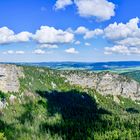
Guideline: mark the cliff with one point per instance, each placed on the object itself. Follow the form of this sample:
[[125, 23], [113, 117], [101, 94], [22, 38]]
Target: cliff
[[9, 77], [106, 83]]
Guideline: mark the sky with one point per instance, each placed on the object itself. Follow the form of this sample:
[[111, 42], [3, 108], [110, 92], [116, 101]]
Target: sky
[[69, 30]]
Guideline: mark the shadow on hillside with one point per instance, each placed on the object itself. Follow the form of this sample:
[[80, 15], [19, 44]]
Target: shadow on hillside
[[132, 110], [27, 116], [8, 129], [80, 116]]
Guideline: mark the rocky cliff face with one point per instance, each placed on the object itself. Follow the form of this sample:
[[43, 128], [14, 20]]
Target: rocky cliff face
[[106, 83], [9, 78]]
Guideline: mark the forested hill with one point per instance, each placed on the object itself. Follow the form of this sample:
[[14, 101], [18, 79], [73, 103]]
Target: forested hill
[[53, 105], [133, 75]]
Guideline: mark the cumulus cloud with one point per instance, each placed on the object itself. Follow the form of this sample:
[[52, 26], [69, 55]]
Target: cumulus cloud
[[71, 51], [125, 36], [88, 33], [122, 50], [39, 51], [81, 30], [61, 4], [98, 9], [46, 37], [117, 49], [50, 35], [132, 41], [23, 37], [13, 52], [120, 31], [49, 46], [8, 52], [87, 44], [8, 36], [77, 42], [93, 33]]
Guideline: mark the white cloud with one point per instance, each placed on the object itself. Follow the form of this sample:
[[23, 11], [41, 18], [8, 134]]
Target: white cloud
[[71, 51], [120, 31], [126, 37], [99, 9], [19, 52], [48, 34], [61, 4], [8, 52], [39, 51], [93, 33], [81, 30], [70, 30], [132, 41], [49, 46], [117, 49], [87, 44], [8, 36], [45, 35], [122, 50], [13, 52], [88, 33], [77, 42], [23, 37]]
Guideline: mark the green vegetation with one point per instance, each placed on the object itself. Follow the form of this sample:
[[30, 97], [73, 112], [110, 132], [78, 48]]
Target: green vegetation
[[2, 95], [47, 107], [2, 137], [122, 70], [134, 75]]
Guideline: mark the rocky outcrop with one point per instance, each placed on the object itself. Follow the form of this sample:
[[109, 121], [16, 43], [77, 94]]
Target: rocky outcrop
[[106, 83], [9, 77]]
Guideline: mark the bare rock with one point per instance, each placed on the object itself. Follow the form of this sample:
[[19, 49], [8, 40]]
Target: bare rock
[[9, 77], [2, 105], [12, 99], [106, 83]]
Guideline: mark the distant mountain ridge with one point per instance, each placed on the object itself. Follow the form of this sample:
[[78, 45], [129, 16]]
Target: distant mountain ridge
[[94, 66]]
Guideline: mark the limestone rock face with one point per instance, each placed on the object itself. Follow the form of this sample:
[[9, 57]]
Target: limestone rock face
[[107, 83], [9, 77]]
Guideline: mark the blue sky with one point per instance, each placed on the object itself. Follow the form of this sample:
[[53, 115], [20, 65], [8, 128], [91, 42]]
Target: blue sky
[[69, 30]]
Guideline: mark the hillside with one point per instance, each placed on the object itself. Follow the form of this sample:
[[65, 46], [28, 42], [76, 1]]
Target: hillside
[[65, 105], [133, 75]]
